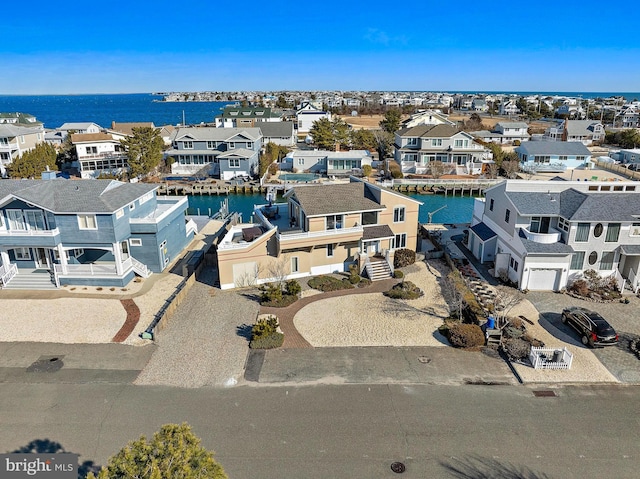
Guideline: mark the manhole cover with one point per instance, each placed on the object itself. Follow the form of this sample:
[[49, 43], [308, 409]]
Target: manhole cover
[[424, 359], [46, 364], [398, 467], [544, 394]]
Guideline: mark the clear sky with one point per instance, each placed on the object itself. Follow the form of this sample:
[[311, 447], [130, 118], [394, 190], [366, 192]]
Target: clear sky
[[142, 46]]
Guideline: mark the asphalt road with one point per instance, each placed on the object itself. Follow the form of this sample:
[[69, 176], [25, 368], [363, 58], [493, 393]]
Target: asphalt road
[[345, 431]]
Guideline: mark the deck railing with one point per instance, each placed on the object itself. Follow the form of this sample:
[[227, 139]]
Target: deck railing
[[7, 273]]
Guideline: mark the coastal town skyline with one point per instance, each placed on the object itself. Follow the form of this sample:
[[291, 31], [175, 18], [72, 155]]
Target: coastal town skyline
[[340, 47]]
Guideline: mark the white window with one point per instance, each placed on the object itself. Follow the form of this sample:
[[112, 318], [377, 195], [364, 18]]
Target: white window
[[436, 142], [294, 264], [146, 197], [78, 252], [563, 224], [232, 145], [22, 139], [120, 213], [22, 253], [300, 161], [16, 220], [461, 143], [634, 231], [398, 214], [87, 222], [187, 145], [329, 250], [250, 145], [234, 162], [412, 142], [400, 241], [135, 241], [211, 145]]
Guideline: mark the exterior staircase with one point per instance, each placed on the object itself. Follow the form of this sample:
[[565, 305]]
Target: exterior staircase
[[140, 268], [378, 270], [39, 279]]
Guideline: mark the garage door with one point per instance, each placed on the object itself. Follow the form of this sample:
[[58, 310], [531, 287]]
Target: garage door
[[245, 274], [544, 279]]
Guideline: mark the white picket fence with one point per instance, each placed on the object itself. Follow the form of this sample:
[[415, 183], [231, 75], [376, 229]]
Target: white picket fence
[[543, 358]]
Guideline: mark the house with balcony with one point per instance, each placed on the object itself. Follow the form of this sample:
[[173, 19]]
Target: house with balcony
[[509, 107], [222, 152], [544, 235], [586, 131], [87, 232], [331, 163], [416, 148], [306, 115], [504, 132], [19, 119], [552, 156], [245, 117], [16, 140], [99, 153], [322, 228], [427, 117]]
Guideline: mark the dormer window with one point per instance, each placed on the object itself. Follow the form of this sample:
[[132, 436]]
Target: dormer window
[[187, 145]]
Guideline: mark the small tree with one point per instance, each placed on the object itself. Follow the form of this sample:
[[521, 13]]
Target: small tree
[[366, 170], [437, 168], [510, 168], [173, 452], [505, 300], [391, 121], [144, 150], [32, 163]]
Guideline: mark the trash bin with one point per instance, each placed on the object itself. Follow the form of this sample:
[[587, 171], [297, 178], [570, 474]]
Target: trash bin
[[491, 323], [557, 356]]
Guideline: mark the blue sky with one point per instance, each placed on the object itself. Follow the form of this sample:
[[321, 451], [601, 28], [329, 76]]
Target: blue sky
[[142, 46]]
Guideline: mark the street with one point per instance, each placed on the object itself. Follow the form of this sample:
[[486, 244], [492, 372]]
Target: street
[[345, 431]]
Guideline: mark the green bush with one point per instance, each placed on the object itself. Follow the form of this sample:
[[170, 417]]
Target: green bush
[[404, 290], [272, 341], [270, 293], [283, 302], [293, 288], [398, 274], [264, 327], [364, 282], [465, 335], [366, 170], [404, 257], [355, 278], [329, 283]]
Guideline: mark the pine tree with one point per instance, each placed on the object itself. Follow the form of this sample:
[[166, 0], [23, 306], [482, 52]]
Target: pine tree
[[144, 150]]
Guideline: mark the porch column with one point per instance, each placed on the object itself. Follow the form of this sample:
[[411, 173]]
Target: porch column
[[5, 258], [63, 258], [118, 258]]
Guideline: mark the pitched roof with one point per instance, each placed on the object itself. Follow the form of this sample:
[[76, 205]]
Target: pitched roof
[[275, 128], [569, 148], [580, 127], [78, 196], [377, 232], [78, 125], [92, 137], [430, 131], [247, 112], [216, 134], [320, 200], [513, 124], [11, 130], [127, 128]]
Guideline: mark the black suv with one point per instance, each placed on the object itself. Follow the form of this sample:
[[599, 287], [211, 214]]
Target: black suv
[[593, 328]]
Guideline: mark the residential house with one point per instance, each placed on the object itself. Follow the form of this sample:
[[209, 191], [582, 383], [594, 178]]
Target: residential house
[[509, 107], [479, 104], [629, 156], [427, 117], [585, 131], [570, 109], [322, 228], [306, 115], [245, 117], [126, 129], [332, 163], [504, 133], [278, 132], [552, 156], [87, 232], [417, 147], [630, 117], [545, 235], [16, 140], [99, 153], [222, 152], [19, 119], [80, 127]]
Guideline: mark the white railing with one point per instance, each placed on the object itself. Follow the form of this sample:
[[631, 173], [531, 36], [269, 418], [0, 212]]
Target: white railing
[[619, 280], [106, 155], [139, 267], [7, 273], [444, 182], [87, 269], [546, 238], [550, 358], [319, 234], [30, 232], [634, 280]]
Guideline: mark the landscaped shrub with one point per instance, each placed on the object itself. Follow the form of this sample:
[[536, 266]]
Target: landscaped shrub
[[293, 288], [404, 257], [273, 168], [398, 274], [580, 287], [265, 335], [272, 295], [404, 290], [366, 170], [329, 283], [355, 278], [395, 170], [272, 341], [364, 282], [465, 335], [516, 349]]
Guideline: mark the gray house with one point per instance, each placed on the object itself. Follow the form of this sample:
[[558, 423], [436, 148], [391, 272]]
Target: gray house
[[278, 132], [552, 156], [544, 235], [336, 163], [222, 152]]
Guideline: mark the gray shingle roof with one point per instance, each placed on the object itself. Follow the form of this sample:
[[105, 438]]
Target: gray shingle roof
[[216, 134], [529, 203], [580, 127], [320, 200], [430, 131], [77, 196], [545, 248], [512, 124], [569, 148], [377, 232], [272, 129], [483, 231]]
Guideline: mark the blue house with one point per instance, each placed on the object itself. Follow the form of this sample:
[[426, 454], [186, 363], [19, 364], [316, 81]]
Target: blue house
[[87, 232], [552, 156]]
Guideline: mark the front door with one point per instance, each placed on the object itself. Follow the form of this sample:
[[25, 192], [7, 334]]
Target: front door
[[42, 258]]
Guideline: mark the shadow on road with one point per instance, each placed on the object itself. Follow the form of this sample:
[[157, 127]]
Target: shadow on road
[[476, 467], [47, 446]]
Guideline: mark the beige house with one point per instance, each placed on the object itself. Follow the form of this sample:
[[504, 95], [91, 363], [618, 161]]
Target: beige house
[[321, 229], [17, 140]]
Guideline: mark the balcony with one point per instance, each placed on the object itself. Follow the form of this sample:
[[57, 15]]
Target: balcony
[[553, 236], [30, 237]]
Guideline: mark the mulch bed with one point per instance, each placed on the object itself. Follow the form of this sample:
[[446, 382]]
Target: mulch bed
[[133, 316]]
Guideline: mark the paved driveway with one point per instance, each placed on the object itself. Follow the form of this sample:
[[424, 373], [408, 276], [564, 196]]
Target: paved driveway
[[623, 317]]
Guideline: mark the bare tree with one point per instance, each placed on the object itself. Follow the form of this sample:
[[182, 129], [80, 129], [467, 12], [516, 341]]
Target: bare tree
[[249, 278], [492, 170], [453, 294], [505, 300], [437, 168], [510, 168], [279, 269]]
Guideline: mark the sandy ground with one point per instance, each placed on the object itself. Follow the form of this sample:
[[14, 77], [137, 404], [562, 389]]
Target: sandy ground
[[375, 320]]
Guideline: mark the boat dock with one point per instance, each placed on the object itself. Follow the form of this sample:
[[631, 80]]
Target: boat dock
[[446, 187]]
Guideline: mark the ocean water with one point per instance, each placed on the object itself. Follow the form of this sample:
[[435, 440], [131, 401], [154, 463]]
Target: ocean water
[[458, 209], [54, 110]]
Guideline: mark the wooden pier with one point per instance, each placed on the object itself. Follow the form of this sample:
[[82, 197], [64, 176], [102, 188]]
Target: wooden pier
[[447, 187]]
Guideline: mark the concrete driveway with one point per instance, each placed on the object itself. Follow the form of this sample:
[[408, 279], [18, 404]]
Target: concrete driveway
[[619, 360]]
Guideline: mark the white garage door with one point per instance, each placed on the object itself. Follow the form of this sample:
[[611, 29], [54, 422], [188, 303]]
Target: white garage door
[[245, 274], [544, 279]]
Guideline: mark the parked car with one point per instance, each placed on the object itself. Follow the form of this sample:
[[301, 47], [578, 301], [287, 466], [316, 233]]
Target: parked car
[[594, 330]]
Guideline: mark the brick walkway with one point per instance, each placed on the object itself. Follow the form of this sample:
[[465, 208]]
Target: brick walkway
[[292, 338], [133, 316]]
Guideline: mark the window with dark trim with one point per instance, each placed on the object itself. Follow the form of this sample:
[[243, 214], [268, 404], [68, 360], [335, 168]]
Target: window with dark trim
[[507, 214]]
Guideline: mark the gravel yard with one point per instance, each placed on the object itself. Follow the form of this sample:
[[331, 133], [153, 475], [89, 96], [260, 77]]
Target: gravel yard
[[375, 320]]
